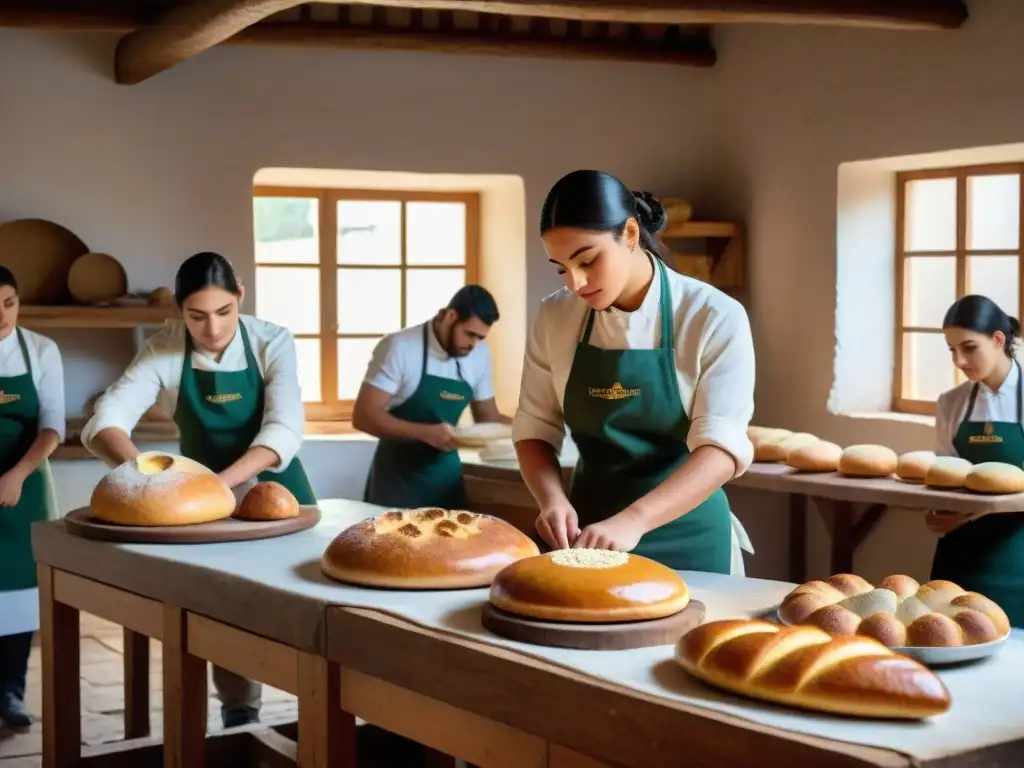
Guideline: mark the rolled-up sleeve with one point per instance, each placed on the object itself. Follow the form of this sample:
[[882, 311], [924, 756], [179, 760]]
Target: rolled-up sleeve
[[51, 389], [385, 370], [483, 386], [724, 398], [539, 415], [944, 423], [284, 416]]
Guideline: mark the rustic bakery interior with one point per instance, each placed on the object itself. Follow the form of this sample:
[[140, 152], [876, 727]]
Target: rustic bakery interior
[[511, 385]]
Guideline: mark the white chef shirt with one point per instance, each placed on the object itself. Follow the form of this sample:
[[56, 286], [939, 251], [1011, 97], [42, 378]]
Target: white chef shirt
[[989, 405], [396, 365], [154, 377], [47, 375], [714, 361]]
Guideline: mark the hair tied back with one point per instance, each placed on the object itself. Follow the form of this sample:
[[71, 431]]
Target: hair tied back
[[650, 210]]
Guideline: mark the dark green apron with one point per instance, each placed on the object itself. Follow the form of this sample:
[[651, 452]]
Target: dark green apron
[[408, 473], [19, 427], [625, 415], [219, 414], [987, 555]]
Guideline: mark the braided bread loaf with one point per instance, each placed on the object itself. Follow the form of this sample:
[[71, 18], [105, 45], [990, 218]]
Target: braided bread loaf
[[808, 668], [899, 612]]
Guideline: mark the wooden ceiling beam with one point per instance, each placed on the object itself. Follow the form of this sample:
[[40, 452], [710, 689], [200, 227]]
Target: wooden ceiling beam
[[186, 31]]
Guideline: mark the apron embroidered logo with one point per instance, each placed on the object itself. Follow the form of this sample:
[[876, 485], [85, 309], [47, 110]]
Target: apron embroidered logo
[[615, 392], [446, 395], [988, 437], [5, 398], [220, 399]]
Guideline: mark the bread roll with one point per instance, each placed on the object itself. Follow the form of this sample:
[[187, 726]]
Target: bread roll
[[867, 461], [761, 436], [589, 585], [427, 548], [898, 612], [947, 472], [808, 668], [821, 456], [913, 466], [995, 477], [157, 488], [268, 501], [778, 448]]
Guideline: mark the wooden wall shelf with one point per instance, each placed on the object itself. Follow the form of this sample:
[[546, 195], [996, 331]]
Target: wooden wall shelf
[[32, 316], [719, 258]]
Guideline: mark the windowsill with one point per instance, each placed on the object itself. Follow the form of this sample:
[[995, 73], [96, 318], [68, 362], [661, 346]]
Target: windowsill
[[921, 419]]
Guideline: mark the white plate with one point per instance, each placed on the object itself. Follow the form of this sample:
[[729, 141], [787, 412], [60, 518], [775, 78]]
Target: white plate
[[940, 656]]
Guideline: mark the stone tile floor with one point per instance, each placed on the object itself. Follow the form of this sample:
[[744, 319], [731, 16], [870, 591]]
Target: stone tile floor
[[103, 696]]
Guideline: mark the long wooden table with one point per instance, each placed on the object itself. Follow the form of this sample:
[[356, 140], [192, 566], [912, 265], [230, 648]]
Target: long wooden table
[[850, 507]]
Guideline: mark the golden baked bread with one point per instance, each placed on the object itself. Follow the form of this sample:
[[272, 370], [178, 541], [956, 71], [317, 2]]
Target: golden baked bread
[[995, 477], [778, 448], [899, 612], [867, 461], [947, 472], [808, 668], [760, 437], [913, 465], [426, 548], [268, 501], [589, 585], [157, 488], [820, 456]]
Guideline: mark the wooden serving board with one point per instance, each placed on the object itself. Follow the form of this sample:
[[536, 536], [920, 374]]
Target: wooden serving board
[[80, 522], [596, 637]]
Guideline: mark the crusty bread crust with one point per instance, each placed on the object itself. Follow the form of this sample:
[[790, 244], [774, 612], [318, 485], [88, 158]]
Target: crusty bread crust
[[821, 456], [426, 548], [867, 461], [157, 488], [268, 500], [995, 477], [808, 668], [589, 585]]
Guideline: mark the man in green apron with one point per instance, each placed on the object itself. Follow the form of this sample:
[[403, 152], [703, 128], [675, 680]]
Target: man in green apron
[[986, 555], [623, 410], [19, 430], [219, 414]]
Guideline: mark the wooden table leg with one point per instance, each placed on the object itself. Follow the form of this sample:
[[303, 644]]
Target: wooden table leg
[[848, 531], [327, 734], [62, 703], [184, 696], [136, 685], [798, 538]]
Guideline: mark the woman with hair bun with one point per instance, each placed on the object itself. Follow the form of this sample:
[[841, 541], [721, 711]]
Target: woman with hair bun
[[653, 375], [981, 420]]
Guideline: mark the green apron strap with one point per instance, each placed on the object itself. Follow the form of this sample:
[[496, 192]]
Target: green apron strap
[[24, 353], [668, 336]]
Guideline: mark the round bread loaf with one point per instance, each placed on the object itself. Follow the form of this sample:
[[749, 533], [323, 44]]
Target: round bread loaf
[[913, 466], [995, 477], [778, 448], [821, 456], [426, 548], [589, 585], [947, 472], [268, 501], [760, 436], [867, 461], [157, 488], [898, 612]]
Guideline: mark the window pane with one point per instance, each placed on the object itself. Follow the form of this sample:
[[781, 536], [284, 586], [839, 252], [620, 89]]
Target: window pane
[[289, 296], [370, 232], [930, 215], [927, 366], [929, 288], [353, 357], [993, 212], [369, 300], [427, 290], [436, 233], [307, 351], [996, 277], [286, 229]]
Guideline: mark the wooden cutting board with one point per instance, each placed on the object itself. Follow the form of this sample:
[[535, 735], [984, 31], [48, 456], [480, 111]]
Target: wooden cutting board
[[80, 522], [596, 637]]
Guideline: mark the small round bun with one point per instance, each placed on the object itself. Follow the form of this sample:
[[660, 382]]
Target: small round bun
[[589, 585], [268, 501], [947, 472], [821, 456], [760, 437], [913, 466], [778, 448], [868, 461], [995, 477], [426, 548], [157, 488]]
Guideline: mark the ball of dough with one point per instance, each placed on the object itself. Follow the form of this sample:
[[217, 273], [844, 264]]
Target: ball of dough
[[268, 501], [821, 456], [913, 466], [947, 472], [995, 477], [868, 461]]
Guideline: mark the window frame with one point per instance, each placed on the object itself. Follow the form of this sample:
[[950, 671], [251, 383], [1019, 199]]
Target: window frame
[[902, 370], [331, 408]]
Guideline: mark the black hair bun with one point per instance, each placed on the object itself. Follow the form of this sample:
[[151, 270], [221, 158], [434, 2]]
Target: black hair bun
[[1014, 326], [651, 211]]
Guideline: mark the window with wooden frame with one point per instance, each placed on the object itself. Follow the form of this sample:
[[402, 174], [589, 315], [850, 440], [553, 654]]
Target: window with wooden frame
[[958, 232], [393, 260]]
